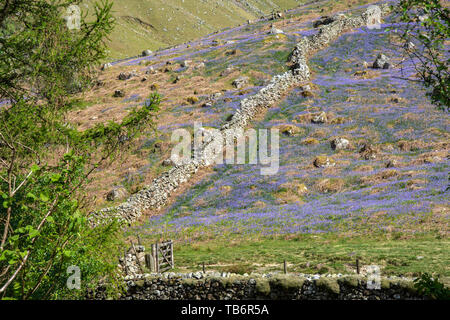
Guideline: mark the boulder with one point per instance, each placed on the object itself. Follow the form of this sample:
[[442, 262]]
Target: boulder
[[118, 94], [288, 129], [324, 162], [146, 53], [391, 163], [368, 151], [340, 144], [106, 66], [126, 75], [118, 193], [274, 30], [240, 82], [185, 63], [150, 70], [381, 62], [320, 118]]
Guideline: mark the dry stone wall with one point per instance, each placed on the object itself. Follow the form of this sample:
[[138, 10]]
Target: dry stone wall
[[156, 195], [217, 286]]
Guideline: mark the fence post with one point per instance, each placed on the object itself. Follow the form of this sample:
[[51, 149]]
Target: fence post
[[148, 262], [171, 254], [285, 267], [157, 257], [153, 259], [357, 266], [137, 256]]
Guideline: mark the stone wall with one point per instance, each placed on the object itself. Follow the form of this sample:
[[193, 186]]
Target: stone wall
[[156, 195], [213, 286]]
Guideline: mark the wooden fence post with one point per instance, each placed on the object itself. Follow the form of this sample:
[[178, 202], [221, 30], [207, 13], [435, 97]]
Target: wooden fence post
[[153, 260], [157, 257], [148, 262], [285, 267], [171, 254], [357, 266]]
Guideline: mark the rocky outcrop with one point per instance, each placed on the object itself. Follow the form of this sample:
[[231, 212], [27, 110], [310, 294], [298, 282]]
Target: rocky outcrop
[[156, 195]]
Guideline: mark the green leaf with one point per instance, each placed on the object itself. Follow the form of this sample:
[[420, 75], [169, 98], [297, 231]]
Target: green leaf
[[44, 197], [56, 177], [31, 196]]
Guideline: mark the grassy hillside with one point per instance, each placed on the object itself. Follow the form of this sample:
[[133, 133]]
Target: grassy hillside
[[152, 24]]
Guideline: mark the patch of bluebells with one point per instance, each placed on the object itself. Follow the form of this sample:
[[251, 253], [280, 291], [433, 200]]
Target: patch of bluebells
[[206, 210]]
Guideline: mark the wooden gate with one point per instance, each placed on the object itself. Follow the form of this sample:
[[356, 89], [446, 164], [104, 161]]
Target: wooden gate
[[161, 258]]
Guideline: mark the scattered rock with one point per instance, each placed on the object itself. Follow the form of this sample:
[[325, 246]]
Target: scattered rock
[[118, 193], [146, 53], [392, 163], [106, 66], [119, 94], [340, 144], [150, 70], [368, 151], [381, 62], [288, 129], [274, 30], [319, 118], [185, 63], [324, 162], [177, 79], [240, 82], [126, 75]]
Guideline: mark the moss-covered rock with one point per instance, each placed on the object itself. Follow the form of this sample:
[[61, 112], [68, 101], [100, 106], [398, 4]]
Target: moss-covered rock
[[350, 281], [262, 287], [324, 162], [331, 285], [289, 129], [287, 283]]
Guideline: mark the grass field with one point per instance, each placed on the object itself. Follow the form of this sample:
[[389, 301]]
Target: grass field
[[312, 254], [154, 24]]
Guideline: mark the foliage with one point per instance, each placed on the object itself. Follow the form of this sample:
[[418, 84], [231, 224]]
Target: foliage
[[431, 287], [45, 161], [428, 28]]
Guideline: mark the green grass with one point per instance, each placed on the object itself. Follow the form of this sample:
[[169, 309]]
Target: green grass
[[155, 24], [318, 254]]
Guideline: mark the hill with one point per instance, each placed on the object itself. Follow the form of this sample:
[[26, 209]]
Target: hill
[[154, 24]]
